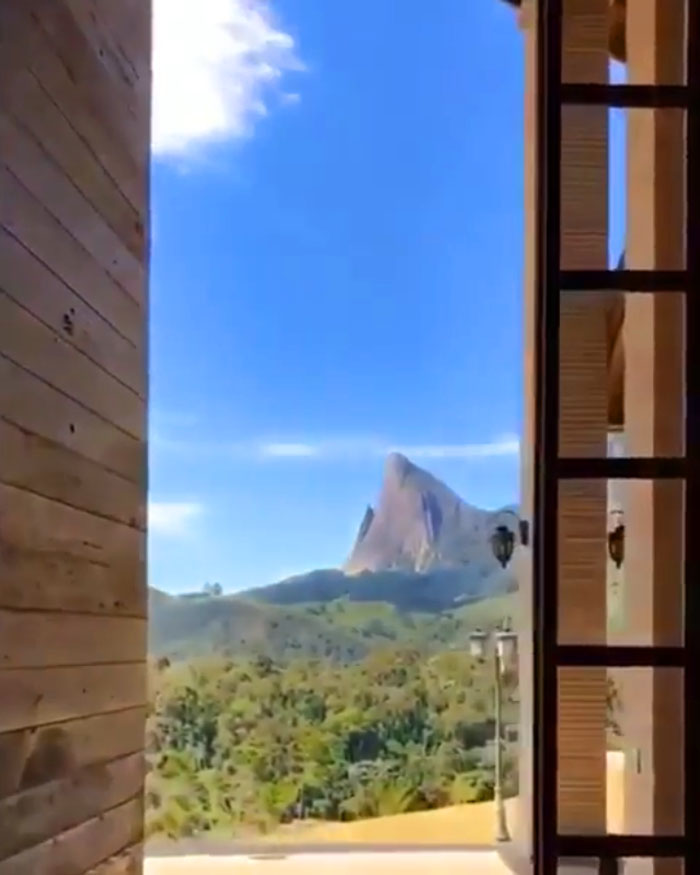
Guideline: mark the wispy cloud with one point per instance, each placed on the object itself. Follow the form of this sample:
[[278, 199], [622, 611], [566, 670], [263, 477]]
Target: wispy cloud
[[287, 451], [173, 518], [505, 446], [216, 64], [340, 449], [354, 449]]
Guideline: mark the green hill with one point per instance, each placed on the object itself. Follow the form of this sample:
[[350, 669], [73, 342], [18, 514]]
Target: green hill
[[340, 630], [437, 590]]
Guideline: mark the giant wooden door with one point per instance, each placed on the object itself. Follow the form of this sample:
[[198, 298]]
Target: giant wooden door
[[576, 656]]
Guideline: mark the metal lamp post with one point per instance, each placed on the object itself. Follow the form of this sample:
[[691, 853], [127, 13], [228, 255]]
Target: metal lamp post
[[504, 644], [504, 641]]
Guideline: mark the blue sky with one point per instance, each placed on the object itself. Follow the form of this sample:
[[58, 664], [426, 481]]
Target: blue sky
[[336, 271]]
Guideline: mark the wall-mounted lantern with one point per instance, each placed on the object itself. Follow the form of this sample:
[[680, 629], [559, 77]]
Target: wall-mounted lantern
[[503, 539], [503, 544], [616, 544]]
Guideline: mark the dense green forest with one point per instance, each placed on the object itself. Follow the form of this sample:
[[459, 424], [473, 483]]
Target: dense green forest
[[266, 717], [241, 745]]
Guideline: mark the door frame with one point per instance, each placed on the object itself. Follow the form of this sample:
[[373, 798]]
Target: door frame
[[550, 468]]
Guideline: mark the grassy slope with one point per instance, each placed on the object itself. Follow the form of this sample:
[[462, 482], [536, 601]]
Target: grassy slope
[[436, 590], [471, 824], [341, 629], [456, 824]]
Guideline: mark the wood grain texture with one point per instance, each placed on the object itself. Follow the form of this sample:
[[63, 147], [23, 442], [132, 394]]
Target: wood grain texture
[[74, 161], [36, 696], [56, 580], [32, 816], [44, 236], [127, 862], [653, 339], [35, 347], [88, 55], [77, 850], [31, 522], [45, 468], [583, 424], [27, 160], [49, 44], [53, 556], [60, 419], [38, 290], [38, 640], [127, 31], [33, 756], [24, 99]]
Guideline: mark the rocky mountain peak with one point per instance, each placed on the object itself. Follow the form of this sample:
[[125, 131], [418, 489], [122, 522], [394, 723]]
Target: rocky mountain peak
[[418, 523], [397, 467]]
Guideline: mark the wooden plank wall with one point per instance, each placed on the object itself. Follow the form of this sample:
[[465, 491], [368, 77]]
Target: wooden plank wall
[[74, 155]]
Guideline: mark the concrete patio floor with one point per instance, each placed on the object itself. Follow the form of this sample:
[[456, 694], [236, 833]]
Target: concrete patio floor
[[394, 863]]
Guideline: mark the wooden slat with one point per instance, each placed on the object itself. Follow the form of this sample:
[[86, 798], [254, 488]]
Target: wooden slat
[[25, 100], [29, 343], [96, 124], [127, 32], [128, 862], [89, 57], [30, 757], [27, 219], [36, 640], [121, 41], [35, 523], [29, 163], [127, 29], [58, 581], [51, 534], [36, 696], [31, 462], [37, 407], [27, 281], [38, 814], [77, 850], [33, 49]]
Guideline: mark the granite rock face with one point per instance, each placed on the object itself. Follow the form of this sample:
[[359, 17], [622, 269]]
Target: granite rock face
[[420, 524]]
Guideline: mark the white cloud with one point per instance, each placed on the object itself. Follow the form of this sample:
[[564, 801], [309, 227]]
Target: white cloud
[[339, 449], [288, 450], [361, 448], [172, 517], [215, 63], [505, 446]]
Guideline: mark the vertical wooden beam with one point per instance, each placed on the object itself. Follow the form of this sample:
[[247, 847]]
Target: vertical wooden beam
[[583, 423], [654, 413], [522, 829]]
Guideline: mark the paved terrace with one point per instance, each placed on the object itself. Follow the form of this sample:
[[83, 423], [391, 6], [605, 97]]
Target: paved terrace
[[396, 863]]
